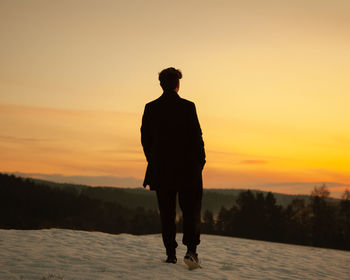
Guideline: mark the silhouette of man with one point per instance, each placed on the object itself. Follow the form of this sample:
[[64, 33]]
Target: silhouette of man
[[172, 142]]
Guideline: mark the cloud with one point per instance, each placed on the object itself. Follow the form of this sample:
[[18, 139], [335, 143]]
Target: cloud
[[122, 151], [302, 185], [252, 161], [336, 188], [13, 139]]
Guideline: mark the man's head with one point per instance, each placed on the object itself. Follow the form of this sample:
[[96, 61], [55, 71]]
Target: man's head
[[169, 78]]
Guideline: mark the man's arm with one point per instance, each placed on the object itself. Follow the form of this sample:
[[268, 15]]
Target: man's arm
[[146, 137], [198, 139]]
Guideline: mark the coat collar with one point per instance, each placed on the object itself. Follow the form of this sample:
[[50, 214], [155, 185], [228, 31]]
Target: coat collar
[[170, 94]]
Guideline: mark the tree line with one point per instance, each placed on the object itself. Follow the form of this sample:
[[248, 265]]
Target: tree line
[[25, 204], [318, 221]]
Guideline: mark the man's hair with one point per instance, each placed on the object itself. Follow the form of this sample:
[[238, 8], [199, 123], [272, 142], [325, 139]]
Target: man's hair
[[169, 78]]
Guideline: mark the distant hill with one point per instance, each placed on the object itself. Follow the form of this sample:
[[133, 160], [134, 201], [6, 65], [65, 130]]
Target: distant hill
[[213, 199]]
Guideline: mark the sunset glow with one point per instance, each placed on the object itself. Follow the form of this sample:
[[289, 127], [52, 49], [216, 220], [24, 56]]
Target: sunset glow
[[270, 80]]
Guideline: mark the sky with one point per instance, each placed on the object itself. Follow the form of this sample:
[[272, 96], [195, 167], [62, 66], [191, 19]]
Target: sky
[[269, 80]]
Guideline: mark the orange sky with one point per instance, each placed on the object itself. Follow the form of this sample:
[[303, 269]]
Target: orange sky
[[269, 79]]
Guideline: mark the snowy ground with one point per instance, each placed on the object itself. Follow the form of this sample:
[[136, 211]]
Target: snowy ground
[[67, 254]]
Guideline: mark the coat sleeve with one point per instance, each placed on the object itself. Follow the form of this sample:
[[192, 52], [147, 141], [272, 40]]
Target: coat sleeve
[[146, 136], [198, 139]]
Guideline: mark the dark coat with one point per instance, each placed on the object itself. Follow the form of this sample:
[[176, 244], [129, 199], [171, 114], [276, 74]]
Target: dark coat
[[172, 142]]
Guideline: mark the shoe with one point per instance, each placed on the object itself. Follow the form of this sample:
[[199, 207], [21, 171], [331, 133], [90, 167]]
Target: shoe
[[191, 260], [171, 259]]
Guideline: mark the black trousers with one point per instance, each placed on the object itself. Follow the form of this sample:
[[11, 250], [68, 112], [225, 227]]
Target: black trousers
[[190, 201]]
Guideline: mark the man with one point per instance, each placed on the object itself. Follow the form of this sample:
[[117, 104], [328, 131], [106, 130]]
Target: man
[[172, 142]]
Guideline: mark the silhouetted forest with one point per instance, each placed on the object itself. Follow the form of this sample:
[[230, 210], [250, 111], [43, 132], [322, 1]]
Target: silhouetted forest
[[25, 204], [316, 221]]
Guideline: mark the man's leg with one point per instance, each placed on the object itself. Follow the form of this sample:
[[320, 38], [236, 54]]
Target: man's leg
[[167, 209], [190, 201]]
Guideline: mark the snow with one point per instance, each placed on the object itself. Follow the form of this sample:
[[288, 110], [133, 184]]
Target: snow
[[67, 254]]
